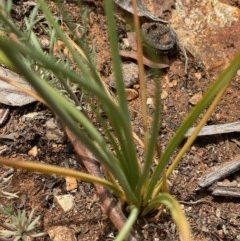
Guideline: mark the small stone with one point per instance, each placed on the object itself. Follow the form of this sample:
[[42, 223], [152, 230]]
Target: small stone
[[45, 43], [33, 116], [165, 108], [221, 234], [61, 233], [33, 152], [193, 148], [196, 98], [218, 213], [150, 102], [126, 42], [66, 202], [172, 83], [53, 132], [198, 75], [130, 75], [131, 94], [71, 183], [164, 95], [204, 229]]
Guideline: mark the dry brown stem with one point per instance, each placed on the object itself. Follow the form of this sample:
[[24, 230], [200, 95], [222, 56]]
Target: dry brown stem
[[109, 204]]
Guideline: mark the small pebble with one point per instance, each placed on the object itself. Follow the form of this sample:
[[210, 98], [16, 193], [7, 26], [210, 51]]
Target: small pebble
[[53, 131], [33, 151], [164, 95], [66, 202], [130, 75], [131, 94], [61, 233], [196, 98]]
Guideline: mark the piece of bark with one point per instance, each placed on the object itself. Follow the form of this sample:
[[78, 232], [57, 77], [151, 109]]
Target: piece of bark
[[231, 189], [219, 173], [9, 93], [141, 10], [216, 129]]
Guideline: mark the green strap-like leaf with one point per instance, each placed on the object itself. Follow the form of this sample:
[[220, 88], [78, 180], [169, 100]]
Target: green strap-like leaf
[[122, 235], [176, 212]]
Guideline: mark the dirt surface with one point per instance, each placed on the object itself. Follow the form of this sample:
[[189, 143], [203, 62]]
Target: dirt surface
[[211, 218]]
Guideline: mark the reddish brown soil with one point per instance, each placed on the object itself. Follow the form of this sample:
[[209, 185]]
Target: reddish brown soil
[[211, 218]]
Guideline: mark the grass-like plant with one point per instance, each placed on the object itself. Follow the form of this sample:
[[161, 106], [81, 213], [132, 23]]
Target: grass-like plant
[[140, 185], [21, 226]]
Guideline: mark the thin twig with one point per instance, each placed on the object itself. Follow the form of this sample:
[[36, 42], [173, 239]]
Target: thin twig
[[200, 201]]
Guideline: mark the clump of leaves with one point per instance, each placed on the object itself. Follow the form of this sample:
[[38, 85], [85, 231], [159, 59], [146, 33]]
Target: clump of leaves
[[139, 184], [21, 226]]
